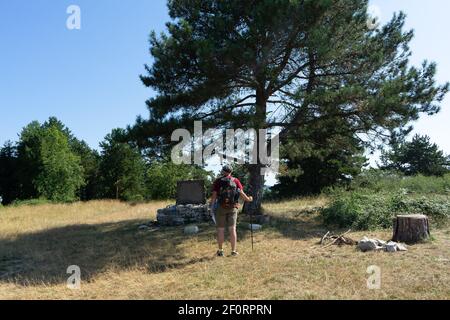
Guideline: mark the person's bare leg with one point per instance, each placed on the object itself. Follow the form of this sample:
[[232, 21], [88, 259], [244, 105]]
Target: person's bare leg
[[220, 237], [233, 238]]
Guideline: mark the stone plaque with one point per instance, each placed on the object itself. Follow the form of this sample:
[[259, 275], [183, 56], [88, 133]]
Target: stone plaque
[[191, 192]]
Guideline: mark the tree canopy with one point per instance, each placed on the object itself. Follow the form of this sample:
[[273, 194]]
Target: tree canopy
[[162, 178], [60, 172], [9, 185], [420, 156], [50, 163], [282, 63], [122, 169]]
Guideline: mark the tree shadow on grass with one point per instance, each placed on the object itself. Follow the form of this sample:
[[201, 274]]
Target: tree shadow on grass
[[294, 224], [44, 256]]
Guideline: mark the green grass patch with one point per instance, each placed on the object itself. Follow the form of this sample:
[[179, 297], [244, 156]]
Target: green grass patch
[[30, 202]]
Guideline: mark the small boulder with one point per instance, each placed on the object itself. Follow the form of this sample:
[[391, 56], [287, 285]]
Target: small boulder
[[367, 244], [190, 230], [391, 246]]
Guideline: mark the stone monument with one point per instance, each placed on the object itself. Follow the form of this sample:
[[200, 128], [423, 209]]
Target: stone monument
[[190, 205]]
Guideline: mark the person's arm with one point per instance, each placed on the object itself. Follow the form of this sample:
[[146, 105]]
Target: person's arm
[[241, 191], [245, 197]]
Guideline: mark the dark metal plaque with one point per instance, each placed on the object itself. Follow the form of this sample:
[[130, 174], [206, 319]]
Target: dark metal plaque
[[191, 192]]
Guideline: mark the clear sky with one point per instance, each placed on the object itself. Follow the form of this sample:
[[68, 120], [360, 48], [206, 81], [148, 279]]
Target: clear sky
[[89, 78]]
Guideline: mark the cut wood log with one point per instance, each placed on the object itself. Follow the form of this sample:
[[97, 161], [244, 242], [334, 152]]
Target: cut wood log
[[411, 228]]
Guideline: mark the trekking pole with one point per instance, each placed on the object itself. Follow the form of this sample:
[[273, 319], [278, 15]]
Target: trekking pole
[[251, 226], [213, 212], [251, 222]]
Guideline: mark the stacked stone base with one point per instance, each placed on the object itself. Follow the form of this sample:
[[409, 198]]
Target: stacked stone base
[[178, 215]]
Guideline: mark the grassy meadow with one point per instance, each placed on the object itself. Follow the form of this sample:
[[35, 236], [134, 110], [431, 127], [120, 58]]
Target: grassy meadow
[[117, 261]]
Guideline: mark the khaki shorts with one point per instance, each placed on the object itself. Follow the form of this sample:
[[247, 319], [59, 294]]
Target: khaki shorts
[[226, 217]]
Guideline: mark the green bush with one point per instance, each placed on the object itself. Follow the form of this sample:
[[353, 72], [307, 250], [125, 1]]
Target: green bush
[[376, 180], [391, 181], [436, 207], [361, 210]]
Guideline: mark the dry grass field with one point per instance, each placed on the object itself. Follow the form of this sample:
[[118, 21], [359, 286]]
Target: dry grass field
[[38, 243]]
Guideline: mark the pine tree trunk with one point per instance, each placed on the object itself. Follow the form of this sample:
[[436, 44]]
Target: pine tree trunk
[[411, 228], [256, 181], [256, 188]]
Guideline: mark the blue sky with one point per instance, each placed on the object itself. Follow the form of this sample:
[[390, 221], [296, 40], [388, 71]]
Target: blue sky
[[89, 78]]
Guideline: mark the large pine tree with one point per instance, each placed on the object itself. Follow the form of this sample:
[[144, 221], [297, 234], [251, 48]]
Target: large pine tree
[[284, 63]]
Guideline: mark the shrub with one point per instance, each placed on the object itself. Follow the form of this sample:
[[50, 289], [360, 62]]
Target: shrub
[[436, 207], [367, 211], [377, 180], [391, 181], [359, 211]]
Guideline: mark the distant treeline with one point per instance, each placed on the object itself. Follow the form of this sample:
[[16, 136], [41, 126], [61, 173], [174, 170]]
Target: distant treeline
[[49, 162]]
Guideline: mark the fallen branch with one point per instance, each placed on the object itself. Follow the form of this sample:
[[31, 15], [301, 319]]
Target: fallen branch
[[324, 237], [337, 240]]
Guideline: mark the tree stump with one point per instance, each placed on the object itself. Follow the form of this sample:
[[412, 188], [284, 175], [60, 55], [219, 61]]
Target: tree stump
[[411, 228]]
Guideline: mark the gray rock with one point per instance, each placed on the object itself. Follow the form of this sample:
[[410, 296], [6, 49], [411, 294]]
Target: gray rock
[[183, 214], [367, 244], [190, 230], [391, 246]]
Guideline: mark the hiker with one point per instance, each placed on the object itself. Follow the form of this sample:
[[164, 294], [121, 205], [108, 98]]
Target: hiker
[[227, 190]]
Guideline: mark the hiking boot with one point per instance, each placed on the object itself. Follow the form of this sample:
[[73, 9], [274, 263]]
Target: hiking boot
[[220, 253], [234, 254]]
